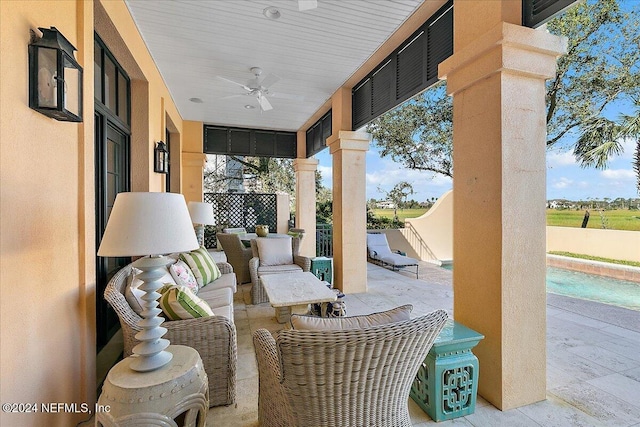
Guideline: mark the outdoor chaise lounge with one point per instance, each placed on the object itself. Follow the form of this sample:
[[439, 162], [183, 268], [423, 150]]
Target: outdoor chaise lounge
[[378, 251]]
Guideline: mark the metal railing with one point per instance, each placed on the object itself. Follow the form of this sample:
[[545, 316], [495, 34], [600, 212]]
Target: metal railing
[[324, 240]]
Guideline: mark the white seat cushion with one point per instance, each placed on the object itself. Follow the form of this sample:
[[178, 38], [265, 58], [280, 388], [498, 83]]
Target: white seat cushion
[[274, 251], [216, 297], [274, 269], [397, 314]]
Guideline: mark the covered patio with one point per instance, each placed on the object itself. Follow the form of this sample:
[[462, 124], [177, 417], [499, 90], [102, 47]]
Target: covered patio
[[593, 362]]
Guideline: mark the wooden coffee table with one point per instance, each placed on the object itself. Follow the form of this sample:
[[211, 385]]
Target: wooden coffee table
[[293, 292]]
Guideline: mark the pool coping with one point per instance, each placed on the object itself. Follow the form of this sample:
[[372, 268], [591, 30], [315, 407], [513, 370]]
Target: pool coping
[[617, 271]]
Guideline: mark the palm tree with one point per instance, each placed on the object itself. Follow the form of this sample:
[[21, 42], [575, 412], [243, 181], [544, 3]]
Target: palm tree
[[602, 138]]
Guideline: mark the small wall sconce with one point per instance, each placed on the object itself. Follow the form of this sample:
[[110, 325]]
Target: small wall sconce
[[55, 78], [161, 158]]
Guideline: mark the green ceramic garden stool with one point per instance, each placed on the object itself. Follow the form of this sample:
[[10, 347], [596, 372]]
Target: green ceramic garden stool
[[322, 268], [446, 385]]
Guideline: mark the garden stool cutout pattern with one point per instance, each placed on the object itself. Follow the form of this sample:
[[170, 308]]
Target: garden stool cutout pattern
[[446, 385], [337, 308]]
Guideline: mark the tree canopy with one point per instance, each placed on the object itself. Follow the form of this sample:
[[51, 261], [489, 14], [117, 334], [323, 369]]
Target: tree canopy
[[601, 68]]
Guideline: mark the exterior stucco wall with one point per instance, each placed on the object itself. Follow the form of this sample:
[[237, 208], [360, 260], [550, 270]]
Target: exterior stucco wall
[[615, 244], [47, 283], [430, 236], [47, 244]]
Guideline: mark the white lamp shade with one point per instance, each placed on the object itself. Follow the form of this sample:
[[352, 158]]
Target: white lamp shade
[[201, 213], [148, 224]]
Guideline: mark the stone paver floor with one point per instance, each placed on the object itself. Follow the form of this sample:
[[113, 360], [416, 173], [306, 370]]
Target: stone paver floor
[[593, 355]]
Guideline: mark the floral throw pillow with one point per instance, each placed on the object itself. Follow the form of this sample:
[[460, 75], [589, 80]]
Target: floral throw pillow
[[183, 275]]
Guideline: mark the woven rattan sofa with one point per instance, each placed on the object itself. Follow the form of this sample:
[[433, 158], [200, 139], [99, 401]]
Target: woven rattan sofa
[[213, 337], [349, 377]]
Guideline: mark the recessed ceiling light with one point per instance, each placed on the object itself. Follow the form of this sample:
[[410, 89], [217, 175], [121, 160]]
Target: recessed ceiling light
[[271, 12], [196, 100], [249, 107]]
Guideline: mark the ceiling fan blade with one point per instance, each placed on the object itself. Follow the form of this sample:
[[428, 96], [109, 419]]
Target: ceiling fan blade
[[289, 96], [307, 5], [265, 105], [234, 96], [270, 80], [235, 83]]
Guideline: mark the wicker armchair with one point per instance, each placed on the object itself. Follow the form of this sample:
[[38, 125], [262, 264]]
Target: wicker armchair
[[213, 337], [358, 377], [300, 263], [237, 255]]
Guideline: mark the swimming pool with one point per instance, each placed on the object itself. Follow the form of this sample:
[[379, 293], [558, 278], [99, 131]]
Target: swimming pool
[[622, 293], [575, 284]]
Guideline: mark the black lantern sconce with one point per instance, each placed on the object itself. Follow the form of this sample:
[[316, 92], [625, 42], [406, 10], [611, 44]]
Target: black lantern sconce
[[161, 158], [55, 78]]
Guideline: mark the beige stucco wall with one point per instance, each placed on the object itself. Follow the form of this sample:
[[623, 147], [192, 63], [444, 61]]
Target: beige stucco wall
[[430, 236], [192, 161], [615, 244], [47, 246]]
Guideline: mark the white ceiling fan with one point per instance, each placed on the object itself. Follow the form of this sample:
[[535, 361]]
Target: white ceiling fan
[[307, 5], [260, 89]]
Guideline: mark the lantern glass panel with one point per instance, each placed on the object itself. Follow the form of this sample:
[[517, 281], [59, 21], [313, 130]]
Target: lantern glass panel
[[72, 84], [47, 94]]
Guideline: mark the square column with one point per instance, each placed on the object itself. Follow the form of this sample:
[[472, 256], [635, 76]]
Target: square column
[[305, 170], [348, 149], [499, 133]]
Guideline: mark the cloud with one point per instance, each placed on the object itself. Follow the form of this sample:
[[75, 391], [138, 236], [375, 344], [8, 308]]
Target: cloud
[[327, 175], [559, 159], [618, 175], [629, 147], [387, 174]]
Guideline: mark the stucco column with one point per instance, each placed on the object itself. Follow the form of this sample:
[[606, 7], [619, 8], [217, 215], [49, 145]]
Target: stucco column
[[498, 85], [192, 161], [348, 149], [305, 170]]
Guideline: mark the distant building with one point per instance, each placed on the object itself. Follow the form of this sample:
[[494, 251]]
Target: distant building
[[386, 204]]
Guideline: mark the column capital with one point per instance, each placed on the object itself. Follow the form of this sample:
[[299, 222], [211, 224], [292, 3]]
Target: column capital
[[349, 140], [310, 164], [505, 48]]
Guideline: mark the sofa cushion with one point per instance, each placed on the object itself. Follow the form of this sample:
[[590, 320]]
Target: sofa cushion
[[179, 302], [275, 269], [225, 281], [183, 275], [204, 268], [353, 322], [275, 251], [226, 311], [216, 297]]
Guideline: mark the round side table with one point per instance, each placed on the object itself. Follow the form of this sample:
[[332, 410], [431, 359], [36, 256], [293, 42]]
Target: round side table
[[175, 395]]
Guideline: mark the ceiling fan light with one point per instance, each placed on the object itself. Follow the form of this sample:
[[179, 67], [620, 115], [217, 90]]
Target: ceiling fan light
[[196, 100], [249, 107], [271, 12]]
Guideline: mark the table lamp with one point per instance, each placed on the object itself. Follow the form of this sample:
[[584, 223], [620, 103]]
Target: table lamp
[[201, 215], [149, 225]]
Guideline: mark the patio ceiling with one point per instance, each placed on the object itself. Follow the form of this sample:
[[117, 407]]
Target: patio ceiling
[[313, 52]]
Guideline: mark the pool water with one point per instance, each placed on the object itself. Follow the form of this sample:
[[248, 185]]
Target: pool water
[[622, 293], [575, 284]]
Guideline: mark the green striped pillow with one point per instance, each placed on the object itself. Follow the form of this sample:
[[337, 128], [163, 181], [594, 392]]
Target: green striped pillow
[[179, 302], [204, 268]]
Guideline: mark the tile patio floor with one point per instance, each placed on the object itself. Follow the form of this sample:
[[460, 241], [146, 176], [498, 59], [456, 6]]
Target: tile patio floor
[[593, 356]]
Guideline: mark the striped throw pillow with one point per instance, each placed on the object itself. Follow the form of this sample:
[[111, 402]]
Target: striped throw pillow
[[179, 302], [202, 266]]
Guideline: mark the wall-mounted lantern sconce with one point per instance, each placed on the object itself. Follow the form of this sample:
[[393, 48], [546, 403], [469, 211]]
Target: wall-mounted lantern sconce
[[55, 78], [161, 158]]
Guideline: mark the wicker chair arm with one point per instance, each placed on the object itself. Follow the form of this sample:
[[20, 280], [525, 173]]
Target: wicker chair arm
[[224, 267], [273, 406], [303, 261], [215, 340]]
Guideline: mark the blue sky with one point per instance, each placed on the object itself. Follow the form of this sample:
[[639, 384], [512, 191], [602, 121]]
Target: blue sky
[[565, 179]]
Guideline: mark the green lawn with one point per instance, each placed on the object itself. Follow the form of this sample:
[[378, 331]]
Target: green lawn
[[619, 219], [615, 219]]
